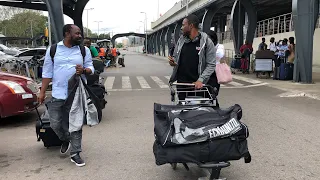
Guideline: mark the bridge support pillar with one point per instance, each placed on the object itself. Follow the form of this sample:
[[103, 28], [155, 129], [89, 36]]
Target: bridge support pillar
[[207, 19], [305, 16], [240, 7], [77, 14], [158, 42], [221, 28], [55, 10], [163, 40], [154, 43], [170, 38], [177, 31], [149, 43], [222, 23]]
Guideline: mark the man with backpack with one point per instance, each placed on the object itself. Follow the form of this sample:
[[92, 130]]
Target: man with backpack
[[62, 61], [194, 58], [93, 50]]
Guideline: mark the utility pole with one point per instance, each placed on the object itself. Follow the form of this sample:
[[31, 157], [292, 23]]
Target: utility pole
[[31, 34], [146, 23], [88, 20], [98, 26], [158, 15], [49, 27], [187, 7]]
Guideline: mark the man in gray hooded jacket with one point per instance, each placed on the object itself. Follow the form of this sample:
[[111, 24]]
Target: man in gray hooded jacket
[[194, 55]]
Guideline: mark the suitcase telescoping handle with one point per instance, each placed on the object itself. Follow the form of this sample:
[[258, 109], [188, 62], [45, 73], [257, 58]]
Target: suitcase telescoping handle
[[39, 117]]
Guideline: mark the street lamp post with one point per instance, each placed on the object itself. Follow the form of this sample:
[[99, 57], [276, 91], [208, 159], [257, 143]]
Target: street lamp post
[[146, 32], [88, 20], [98, 26]]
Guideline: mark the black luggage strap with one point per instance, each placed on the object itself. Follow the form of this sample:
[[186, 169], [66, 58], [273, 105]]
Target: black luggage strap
[[53, 50], [39, 119]]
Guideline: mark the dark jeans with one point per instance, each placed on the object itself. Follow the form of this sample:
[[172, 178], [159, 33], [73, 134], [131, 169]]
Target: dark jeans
[[55, 109]]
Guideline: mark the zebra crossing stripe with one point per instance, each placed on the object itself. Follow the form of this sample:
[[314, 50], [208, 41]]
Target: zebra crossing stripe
[[235, 83], [109, 82], [126, 82], [159, 82], [143, 83], [248, 80]]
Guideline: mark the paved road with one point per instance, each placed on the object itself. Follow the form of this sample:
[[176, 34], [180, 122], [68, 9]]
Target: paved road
[[283, 138]]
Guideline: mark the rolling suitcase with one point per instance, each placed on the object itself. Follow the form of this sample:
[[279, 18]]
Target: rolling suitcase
[[45, 132], [286, 70], [276, 73]]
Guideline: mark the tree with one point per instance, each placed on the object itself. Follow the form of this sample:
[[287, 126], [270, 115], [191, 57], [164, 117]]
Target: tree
[[119, 45], [24, 24], [8, 12], [90, 34]]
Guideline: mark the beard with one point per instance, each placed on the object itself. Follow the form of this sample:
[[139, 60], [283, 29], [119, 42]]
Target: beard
[[186, 33], [76, 42]]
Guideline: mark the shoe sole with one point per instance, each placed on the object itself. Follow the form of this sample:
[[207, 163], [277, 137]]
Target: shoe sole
[[79, 165], [66, 150]]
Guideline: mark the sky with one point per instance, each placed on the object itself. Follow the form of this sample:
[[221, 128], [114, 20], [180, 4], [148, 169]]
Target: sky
[[121, 16]]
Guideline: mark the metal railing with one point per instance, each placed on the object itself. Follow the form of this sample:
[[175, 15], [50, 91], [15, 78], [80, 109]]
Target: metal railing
[[275, 25], [230, 53]]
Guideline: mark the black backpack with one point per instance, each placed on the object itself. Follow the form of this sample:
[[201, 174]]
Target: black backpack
[[53, 50]]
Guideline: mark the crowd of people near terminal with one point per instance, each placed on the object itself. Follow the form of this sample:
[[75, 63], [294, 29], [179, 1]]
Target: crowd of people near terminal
[[283, 50]]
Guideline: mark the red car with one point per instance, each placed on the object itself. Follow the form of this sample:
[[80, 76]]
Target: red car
[[18, 94]]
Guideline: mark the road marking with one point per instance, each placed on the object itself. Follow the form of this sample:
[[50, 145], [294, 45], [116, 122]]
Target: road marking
[[159, 82], [168, 77], [235, 84], [143, 83], [126, 82], [109, 82], [222, 85], [157, 89], [252, 81]]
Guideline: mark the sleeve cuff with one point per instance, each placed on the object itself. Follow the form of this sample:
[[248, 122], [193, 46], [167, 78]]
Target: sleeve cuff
[[47, 75], [200, 79], [92, 70]]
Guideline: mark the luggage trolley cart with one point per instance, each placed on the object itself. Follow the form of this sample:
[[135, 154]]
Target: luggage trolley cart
[[263, 63], [201, 97]]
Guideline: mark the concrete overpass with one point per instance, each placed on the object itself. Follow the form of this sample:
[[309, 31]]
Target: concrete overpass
[[113, 39], [56, 8], [214, 13]]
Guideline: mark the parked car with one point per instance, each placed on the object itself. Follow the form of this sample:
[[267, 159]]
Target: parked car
[[32, 52], [9, 51], [18, 94]]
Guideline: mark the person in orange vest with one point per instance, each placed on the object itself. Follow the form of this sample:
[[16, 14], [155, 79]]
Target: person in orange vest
[[114, 55], [102, 52]]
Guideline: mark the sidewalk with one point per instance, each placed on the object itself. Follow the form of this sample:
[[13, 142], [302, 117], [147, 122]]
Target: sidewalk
[[293, 89]]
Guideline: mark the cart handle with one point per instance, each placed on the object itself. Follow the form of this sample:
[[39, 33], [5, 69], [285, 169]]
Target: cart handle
[[173, 92]]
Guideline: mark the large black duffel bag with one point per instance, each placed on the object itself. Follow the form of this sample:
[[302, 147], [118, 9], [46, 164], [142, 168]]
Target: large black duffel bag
[[226, 149], [176, 125]]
